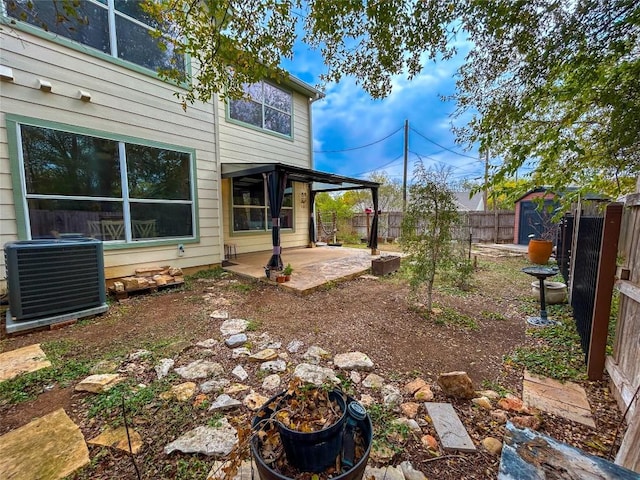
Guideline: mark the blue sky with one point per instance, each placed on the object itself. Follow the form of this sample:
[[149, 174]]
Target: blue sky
[[348, 117]]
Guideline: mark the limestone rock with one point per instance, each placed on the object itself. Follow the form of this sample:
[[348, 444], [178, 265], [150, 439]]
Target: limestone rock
[[391, 396], [492, 445], [117, 438], [99, 383], [212, 441], [224, 402], [271, 382], [138, 354], [219, 314], [236, 340], [240, 373], [353, 361], [163, 367], [315, 354], [245, 471], [315, 374], [355, 377], [181, 393], [240, 352], [265, 355], [525, 421], [499, 416], [236, 388], [409, 422], [373, 381], [430, 442], [208, 343], [413, 386], [424, 394], [200, 369], [48, 447], [367, 400], [104, 366], [233, 326], [482, 402], [409, 409], [512, 404], [411, 473], [456, 384], [380, 453], [214, 385], [254, 401], [490, 394], [383, 473], [274, 366], [294, 346]]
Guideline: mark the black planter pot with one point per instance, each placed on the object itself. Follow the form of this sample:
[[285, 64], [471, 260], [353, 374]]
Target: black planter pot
[[308, 456]]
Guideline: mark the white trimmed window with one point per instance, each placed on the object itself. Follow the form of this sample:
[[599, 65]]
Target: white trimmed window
[[115, 191], [251, 205], [119, 28], [268, 108]]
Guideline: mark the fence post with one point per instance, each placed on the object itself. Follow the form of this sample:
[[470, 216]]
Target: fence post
[[604, 290]]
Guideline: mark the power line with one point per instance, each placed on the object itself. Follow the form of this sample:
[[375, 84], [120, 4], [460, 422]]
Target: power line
[[377, 168], [443, 147], [362, 146]]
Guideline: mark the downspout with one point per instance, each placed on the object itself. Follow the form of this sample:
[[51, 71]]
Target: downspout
[[216, 139]]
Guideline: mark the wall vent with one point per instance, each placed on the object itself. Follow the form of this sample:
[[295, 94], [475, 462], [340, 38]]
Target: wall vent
[[51, 281]]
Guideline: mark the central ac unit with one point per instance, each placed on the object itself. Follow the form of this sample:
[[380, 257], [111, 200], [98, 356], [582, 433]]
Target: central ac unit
[[51, 281]]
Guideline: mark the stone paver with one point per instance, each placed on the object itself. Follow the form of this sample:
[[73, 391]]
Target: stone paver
[[49, 447], [451, 431], [22, 360], [117, 438]]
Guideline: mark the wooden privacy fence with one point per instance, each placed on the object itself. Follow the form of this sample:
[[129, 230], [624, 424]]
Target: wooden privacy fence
[[485, 227], [624, 365]]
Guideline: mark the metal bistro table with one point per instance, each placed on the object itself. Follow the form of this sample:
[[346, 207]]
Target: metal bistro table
[[541, 273]]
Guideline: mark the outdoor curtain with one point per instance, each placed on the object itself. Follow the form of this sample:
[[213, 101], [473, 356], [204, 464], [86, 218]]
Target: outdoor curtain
[[312, 219], [276, 184], [373, 235]]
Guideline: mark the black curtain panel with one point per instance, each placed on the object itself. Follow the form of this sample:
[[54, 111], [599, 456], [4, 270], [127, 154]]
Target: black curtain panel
[[312, 220], [373, 235], [276, 184]]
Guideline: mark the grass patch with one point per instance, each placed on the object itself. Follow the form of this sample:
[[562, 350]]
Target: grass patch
[[191, 468], [387, 433], [449, 316], [496, 387], [253, 325], [493, 316]]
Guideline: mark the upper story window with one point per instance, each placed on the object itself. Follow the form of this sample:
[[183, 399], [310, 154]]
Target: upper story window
[[268, 107], [119, 28]]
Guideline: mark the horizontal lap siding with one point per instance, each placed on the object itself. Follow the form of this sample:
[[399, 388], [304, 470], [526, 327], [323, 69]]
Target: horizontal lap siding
[[123, 103]]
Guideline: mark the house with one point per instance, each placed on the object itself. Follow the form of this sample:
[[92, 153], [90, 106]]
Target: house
[[92, 142], [466, 202]]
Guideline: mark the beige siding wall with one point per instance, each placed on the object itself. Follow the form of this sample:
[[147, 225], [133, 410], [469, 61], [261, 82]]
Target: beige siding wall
[[123, 102]]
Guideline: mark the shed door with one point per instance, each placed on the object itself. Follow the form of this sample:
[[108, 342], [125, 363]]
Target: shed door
[[530, 220]]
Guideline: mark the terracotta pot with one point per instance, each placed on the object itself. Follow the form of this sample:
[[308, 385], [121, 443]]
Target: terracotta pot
[[281, 279], [539, 251]]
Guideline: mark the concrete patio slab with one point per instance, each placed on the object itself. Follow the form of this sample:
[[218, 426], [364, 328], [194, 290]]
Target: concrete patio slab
[[22, 360], [567, 400], [312, 267]]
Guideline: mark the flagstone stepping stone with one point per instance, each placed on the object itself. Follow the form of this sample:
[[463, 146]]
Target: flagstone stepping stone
[[99, 383], [117, 438], [353, 361], [233, 326], [50, 447], [254, 401], [104, 366], [236, 340], [274, 366], [240, 373], [294, 346], [219, 314], [265, 355], [245, 471], [208, 343], [315, 374], [181, 393], [22, 360], [213, 441], [240, 352], [373, 381], [164, 367], [456, 384], [224, 402], [271, 382], [315, 354], [200, 369], [214, 385], [450, 429]]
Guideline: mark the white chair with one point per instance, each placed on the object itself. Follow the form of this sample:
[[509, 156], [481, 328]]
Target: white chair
[[95, 229], [144, 228], [112, 229]]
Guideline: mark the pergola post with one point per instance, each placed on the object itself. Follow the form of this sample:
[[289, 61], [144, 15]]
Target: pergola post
[[373, 234]]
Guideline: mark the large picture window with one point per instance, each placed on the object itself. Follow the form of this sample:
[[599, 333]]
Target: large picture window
[[268, 107], [251, 205], [119, 28], [106, 189]]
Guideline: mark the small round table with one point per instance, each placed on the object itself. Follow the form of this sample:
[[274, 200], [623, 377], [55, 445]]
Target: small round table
[[541, 273]]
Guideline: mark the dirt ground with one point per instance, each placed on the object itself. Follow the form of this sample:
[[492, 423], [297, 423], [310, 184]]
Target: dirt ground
[[367, 315]]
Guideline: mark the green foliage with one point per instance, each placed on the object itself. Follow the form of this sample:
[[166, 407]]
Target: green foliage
[[386, 432], [494, 316], [328, 203], [427, 228], [449, 316], [192, 468], [108, 405], [496, 387]]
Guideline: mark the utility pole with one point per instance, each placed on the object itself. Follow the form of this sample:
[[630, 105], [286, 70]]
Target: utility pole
[[406, 156]]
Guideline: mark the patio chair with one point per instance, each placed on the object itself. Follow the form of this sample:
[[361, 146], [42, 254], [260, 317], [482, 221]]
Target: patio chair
[[144, 228]]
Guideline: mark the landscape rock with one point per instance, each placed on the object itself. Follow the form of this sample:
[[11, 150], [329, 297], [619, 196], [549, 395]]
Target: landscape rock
[[492, 445], [208, 343], [430, 442], [117, 438], [525, 421], [353, 361], [355, 377], [271, 382], [294, 346], [274, 366], [200, 369], [219, 314], [490, 394], [99, 383], [212, 441], [240, 373], [138, 354], [367, 400], [265, 355], [456, 384], [409, 409], [512, 404], [424, 394], [104, 366], [214, 385], [482, 402], [411, 473], [254, 401], [233, 326], [383, 473], [240, 352], [163, 367], [236, 388], [224, 402], [409, 422], [315, 374], [499, 416], [380, 453], [373, 381], [315, 355], [200, 400], [413, 386], [181, 393], [236, 340]]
